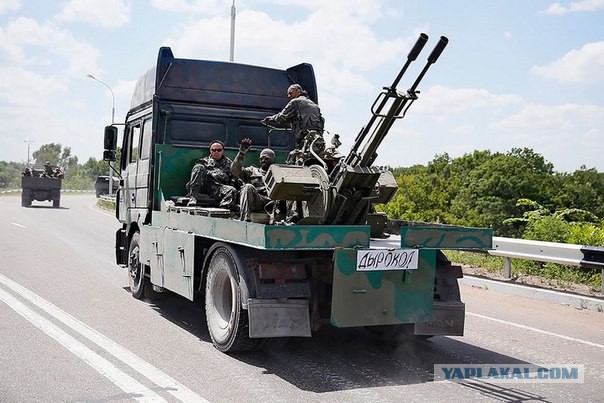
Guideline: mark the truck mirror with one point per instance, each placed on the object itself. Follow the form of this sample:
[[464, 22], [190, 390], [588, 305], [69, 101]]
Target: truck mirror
[[108, 155], [110, 138]]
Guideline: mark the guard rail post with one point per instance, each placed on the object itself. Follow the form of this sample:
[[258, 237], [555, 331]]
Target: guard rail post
[[507, 267]]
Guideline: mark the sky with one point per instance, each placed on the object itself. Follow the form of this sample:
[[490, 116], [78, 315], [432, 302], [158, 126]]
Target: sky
[[515, 73]]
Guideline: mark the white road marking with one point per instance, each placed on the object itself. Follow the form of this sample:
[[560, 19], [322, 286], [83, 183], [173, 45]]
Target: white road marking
[[94, 207], [161, 379], [133, 388], [18, 225], [561, 336]]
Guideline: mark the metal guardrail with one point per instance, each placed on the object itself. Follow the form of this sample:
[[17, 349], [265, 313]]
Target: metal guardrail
[[62, 190], [587, 257]]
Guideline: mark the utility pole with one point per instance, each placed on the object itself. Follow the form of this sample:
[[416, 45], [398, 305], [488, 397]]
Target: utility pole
[[28, 145], [233, 13], [112, 121]]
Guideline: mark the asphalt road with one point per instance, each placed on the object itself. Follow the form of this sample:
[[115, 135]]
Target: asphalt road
[[70, 331]]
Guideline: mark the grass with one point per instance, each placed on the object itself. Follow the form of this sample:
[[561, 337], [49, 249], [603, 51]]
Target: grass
[[549, 271]]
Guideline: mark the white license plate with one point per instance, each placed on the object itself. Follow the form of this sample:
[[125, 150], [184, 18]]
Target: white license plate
[[387, 259]]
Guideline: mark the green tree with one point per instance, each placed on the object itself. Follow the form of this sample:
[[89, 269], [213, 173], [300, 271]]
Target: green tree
[[583, 189], [489, 192], [10, 174], [56, 155]]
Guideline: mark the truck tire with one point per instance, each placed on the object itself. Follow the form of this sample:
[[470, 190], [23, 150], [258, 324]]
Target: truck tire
[[136, 270], [227, 320], [25, 200], [56, 203]]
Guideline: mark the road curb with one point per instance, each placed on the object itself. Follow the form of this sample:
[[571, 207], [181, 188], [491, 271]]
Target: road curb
[[557, 297]]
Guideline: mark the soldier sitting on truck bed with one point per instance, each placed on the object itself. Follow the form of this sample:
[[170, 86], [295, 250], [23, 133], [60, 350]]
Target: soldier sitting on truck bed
[[212, 176], [253, 196], [302, 114]]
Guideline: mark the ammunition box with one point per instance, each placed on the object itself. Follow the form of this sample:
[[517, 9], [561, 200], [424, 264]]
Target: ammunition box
[[291, 182]]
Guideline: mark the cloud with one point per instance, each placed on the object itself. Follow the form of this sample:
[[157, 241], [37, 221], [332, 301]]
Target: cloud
[[443, 103], [56, 49], [575, 6], [341, 62], [584, 65], [207, 7], [9, 5], [103, 13]]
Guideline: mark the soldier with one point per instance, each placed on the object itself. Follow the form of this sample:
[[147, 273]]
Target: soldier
[[212, 176], [27, 172], [47, 169], [253, 196], [302, 114]]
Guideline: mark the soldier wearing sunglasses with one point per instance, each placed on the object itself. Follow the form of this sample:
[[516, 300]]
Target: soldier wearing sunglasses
[[212, 176]]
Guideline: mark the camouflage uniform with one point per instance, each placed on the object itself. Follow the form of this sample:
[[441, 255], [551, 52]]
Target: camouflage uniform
[[302, 114], [253, 196], [47, 170], [214, 178]]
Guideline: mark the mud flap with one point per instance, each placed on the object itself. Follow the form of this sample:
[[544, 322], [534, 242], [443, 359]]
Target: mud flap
[[271, 318], [447, 320]]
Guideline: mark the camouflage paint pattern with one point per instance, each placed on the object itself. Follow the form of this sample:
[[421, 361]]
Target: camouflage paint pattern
[[381, 297], [446, 237], [262, 236]]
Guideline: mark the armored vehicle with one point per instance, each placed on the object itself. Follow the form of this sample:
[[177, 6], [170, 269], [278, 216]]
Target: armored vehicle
[[342, 264], [37, 185]]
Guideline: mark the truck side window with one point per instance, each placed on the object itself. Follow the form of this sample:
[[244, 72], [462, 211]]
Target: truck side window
[[134, 143], [192, 132], [146, 143]]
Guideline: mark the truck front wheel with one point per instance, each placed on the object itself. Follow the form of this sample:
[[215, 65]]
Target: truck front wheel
[[136, 270], [227, 320]]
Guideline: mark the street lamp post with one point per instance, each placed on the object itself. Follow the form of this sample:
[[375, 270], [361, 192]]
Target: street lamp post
[[233, 13], [28, 142], [112, 121]]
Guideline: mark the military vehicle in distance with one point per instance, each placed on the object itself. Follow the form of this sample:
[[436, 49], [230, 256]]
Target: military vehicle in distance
[[336, 265], [36, 185], [101, 185]]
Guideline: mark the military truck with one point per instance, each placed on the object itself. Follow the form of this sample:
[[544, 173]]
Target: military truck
[[37, 185], [342, 264]]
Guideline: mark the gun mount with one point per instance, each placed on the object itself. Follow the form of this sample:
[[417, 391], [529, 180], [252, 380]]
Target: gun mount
[[346, 188]]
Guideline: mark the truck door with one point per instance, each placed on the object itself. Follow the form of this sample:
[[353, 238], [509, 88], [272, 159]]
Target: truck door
[[132, 143], [136, 178]]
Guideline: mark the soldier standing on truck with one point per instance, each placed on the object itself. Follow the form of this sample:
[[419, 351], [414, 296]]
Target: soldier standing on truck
[[302, 114], [212, 176], [253, 196], [47, 169]]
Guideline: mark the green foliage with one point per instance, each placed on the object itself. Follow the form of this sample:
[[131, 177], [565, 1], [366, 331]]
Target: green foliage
[[76, 176], [517, 194], [56, 155], [10, 174]]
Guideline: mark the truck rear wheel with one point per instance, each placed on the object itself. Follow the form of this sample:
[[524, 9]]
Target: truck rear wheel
[[227, 320], [25, 201], [136, 270], [56, 203]]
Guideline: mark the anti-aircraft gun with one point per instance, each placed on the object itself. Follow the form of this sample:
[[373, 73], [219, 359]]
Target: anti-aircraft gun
[[344, 192]]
